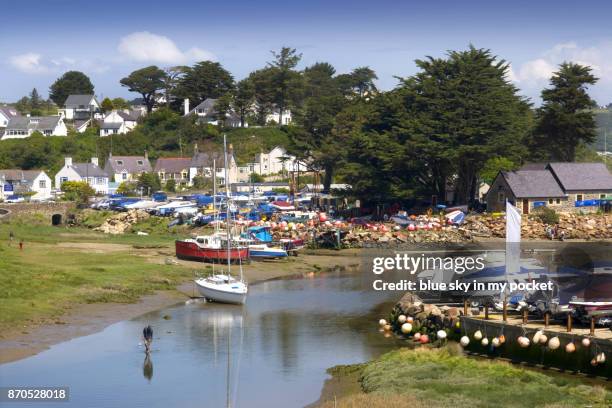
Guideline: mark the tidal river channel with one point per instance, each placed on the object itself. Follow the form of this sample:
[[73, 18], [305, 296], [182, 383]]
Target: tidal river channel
[[272, 352]]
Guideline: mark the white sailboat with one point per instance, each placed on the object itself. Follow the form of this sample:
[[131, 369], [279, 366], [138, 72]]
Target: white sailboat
[[223, 287]]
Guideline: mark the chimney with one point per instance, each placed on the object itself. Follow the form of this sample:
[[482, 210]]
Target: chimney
[[186, 106], [68, 161], [94, 161], [146, 155]]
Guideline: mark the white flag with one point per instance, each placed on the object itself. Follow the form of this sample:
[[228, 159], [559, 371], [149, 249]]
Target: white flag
[[513, 224]]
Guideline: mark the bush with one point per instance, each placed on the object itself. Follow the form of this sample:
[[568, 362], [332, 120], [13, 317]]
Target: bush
[[547, 215], [170, 186], [78, 191]]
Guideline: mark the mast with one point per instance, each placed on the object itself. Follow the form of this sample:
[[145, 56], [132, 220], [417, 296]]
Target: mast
[[228, 211]]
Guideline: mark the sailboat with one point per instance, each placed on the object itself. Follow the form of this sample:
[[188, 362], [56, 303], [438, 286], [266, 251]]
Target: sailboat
[[223, 287]]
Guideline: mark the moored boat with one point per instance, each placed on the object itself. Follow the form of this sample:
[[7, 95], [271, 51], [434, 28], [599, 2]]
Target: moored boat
[[210, 248], [222, 288], [263, 251]]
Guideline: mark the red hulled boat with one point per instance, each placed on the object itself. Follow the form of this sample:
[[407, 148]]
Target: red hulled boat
[[210, 248]]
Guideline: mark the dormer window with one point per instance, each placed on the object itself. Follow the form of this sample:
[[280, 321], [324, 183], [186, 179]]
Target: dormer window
[[34, 120], [120, 162], [140, 162]]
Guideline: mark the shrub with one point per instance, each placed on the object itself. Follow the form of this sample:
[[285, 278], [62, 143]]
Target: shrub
[[547, 215]]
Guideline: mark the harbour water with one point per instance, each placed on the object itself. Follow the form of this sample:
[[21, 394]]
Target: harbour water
[[272, 352]]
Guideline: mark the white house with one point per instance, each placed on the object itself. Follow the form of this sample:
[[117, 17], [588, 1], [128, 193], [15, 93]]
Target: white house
[[127, 168], [275, 161], [20, 127], [202, 164], [16, 181], [274, 117], [6, 114], [118, 122], [88, 172], [82, 107]]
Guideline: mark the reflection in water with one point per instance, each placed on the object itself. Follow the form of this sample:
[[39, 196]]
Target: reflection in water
[[147, 367]]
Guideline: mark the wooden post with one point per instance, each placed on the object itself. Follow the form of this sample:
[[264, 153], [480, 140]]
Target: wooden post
[[505, 311], [592, 326], [465, 307], [486, 312], [569, 323], [546, 319], [525, 316]]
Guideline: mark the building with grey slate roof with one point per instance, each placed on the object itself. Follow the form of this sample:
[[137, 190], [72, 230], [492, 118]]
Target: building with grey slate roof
[[81, 107], [563, 186], [127, 168], [20, 127], [91, 173]]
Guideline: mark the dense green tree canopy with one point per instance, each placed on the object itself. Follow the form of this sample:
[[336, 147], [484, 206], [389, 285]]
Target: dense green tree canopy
[[204, 80], [71, 83], [147, 82]]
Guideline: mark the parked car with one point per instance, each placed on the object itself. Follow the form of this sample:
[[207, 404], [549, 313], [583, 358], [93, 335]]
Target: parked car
[[14, 199]]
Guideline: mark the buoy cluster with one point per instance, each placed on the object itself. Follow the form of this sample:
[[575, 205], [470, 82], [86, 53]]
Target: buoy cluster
[[421, 331]]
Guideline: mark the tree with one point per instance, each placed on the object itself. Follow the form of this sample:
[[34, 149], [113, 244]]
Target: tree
[[170, 186], [127, 188], [285, 81], [147, 82], [120, 103], [363, 80], [242, 100], [107, 105], [204, 80], [263, 93], [23, 105], [171, 81], [493, 166], [256, 178], [222, 108], [35, 101], [148, 183], [71, 83], [78, 191], [565, 121]]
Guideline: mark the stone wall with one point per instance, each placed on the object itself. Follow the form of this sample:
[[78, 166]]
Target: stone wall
[[48, 210]]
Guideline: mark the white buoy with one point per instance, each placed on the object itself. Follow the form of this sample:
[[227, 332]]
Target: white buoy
[[387, 327], [465, 340], [570, 347], [485, 342], [554, 343], [401, 319], [382, 322], [601, 358], [543, 339], [417, 336], [441, 334], [586, 342], [495, 342], [406, 328], [478, 335], [410, 319], [536, 336], [523, 341]]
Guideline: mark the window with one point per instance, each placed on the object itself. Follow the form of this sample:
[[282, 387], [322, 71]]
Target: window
[[140, 162], [500, 197], [90, 180], [602, 196], [578, 197], [550, 201], [162, 176], [184, 175], [100, 180], [120, 162], [558, 201], [42, 184], [63, 180], [124, 176]]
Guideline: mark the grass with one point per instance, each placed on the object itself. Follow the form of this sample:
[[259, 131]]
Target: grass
[[43, 280], [445, 378]]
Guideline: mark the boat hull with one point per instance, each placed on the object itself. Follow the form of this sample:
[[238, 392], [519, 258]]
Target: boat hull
[[194, 252], [268, 253], [221, 293]]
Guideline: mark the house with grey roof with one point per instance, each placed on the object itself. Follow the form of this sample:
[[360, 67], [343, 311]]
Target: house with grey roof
[[173, 168], [81, 107], [119, 122], [204, 162], [127, 168], [91, 173], [6, 114], [561, 186], [206, 113], [20, 127], [17, 181]]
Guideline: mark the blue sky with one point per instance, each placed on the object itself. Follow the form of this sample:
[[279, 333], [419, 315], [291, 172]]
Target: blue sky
[[39, 40]]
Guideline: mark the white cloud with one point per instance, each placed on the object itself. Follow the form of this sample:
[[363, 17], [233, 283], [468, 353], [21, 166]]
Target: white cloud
[[535, 70], [29, 62], [145, 46]]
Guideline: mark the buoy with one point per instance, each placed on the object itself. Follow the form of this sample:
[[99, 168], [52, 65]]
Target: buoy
[[458, 325], [441, 334], [478, 335], [594, 361], [523, 341], [410, 319], [536, 336], [396, 228], [554, 343], [417, 336], [502, 339], [424, 339], [401, 319], [495, 342], [485, 342], [570, 347], [387, 327], [586, 342], [465, 340], [543, 339], [411, 227], [382, 322], [601, 358], [406, 328]]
